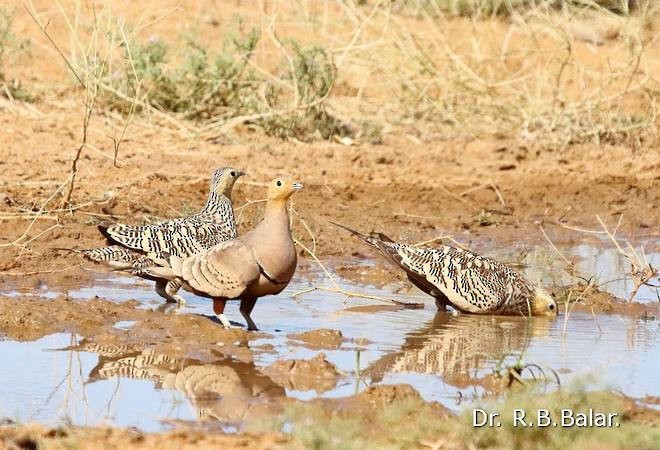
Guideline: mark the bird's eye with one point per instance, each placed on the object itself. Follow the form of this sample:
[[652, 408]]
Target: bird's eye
[[232, 173], [552, 307], [279, 183]]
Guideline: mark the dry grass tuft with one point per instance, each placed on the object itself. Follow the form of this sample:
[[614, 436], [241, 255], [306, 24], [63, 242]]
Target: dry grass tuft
[[219, 87], [545, 73], [533, 77]]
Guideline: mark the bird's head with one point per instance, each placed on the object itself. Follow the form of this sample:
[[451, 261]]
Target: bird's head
[[543, 304], [282, 188], [223, 180]]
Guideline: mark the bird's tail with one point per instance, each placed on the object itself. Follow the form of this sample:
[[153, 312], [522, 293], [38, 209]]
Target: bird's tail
[[368, 239], [103, 229], [90, 252], [380, 241], [114, 256]]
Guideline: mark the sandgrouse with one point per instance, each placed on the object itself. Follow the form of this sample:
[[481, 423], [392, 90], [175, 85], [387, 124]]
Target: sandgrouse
[[467, 281], [259, 263], [135, 248]]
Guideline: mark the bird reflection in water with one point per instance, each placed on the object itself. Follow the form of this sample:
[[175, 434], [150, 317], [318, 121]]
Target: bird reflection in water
[[224, 390], [459, 349]]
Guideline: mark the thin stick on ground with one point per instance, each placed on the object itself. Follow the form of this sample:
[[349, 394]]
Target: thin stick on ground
[[242, 208], [89, 76], [490, 185], [439, 238], [569, 308], [593, 314], [415, 216], [337, 289], [39, 272], [570, 264], [17, 241]]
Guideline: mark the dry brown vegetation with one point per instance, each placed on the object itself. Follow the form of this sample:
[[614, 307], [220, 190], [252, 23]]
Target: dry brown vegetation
[[478, 120]]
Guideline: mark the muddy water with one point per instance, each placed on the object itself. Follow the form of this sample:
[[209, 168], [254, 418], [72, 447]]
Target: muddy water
[[446, 358]]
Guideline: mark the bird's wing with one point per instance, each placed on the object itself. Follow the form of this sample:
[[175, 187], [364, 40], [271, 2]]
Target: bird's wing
[[181, 237], [224, 270], [471, 282]]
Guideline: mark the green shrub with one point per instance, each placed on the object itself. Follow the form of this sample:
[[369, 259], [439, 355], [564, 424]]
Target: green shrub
[[203, 85]]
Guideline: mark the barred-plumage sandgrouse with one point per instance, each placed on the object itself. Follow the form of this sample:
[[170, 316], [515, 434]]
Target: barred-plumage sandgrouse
[[446, 346], [138, 247], [226, 389], [469, 282], [259, 263]]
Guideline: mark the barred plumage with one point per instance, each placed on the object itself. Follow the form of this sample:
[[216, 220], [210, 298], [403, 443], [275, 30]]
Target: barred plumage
[[184, 236], [446, 346], [225, 389], [464, 279], [118, 257], [136, 248]]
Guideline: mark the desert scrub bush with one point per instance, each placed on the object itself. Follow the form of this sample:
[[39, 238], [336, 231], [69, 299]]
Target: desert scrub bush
[[218, 86], [11, 89], [199, 85], [312, 75]]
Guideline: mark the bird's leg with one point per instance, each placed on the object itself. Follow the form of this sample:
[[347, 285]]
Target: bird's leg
[[247, 304], [441, 304], [168, 290], [161, 289], [219, 309], [172, 288], [441, 300]]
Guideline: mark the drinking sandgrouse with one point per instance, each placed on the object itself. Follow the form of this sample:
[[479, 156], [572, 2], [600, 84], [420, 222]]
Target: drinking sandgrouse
[[467, 281]]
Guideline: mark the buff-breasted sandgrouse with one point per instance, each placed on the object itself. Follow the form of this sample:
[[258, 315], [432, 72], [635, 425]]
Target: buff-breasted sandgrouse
[[259, 263]]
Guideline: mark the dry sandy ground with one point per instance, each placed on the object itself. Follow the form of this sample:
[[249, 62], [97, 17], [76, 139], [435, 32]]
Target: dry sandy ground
[[410, 192]]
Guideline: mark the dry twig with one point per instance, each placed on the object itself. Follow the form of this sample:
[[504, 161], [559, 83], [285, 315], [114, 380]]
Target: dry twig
[[337, 289]]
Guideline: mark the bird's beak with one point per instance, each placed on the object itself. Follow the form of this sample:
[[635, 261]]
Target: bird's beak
[[297, 186], [240, 174]]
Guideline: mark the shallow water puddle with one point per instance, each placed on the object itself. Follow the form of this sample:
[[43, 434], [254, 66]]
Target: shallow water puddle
[[64, 378], [446, 358], [124, 324], [38, 384]]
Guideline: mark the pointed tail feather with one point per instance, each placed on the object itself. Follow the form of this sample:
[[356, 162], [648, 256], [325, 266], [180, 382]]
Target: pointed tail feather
[[103, 228], [382, 243], [368, 239], [114, 256], [89, 253], [385, 238]]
